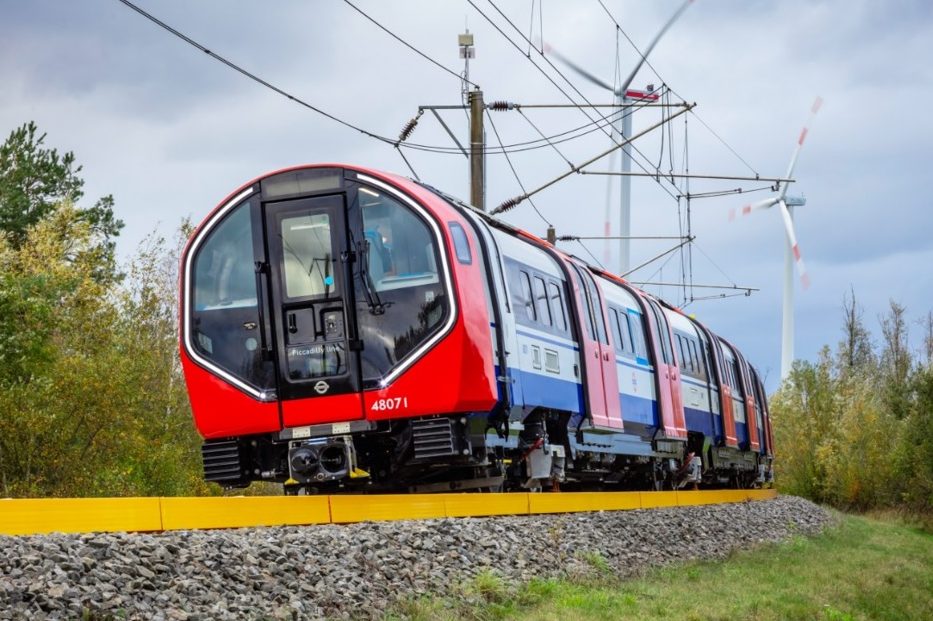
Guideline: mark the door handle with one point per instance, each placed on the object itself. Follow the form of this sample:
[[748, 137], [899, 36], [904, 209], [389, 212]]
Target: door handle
[[260, 268], [292, 323], [606, 357]]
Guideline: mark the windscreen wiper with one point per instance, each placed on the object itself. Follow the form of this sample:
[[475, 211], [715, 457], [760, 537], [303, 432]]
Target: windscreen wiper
[[376, 307]]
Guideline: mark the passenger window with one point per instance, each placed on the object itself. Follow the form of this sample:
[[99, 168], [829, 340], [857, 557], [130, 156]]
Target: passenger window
[[557, 307], [544, 312], [663, 334], [614, 324], [730, 372], [628, 347], [638, 335], [528, 299], [697, 360], [461, 243], [587, 303], [597, 308], [738, 377]]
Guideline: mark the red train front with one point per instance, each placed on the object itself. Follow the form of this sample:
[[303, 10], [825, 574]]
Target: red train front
[[319, 303]]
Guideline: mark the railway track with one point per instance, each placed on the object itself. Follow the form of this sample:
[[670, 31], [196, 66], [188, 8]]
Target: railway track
[[85, 515]]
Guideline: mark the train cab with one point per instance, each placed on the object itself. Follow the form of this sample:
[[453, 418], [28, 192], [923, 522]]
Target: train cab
[[327, 296]]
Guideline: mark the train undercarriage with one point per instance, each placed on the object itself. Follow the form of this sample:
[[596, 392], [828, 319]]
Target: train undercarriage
[[546, 451]]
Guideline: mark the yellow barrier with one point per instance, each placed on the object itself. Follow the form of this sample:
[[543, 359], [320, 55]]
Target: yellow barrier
[[79, 515], [243, 511], [82, 515]]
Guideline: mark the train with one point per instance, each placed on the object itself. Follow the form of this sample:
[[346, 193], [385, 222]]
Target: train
[[344, 329]]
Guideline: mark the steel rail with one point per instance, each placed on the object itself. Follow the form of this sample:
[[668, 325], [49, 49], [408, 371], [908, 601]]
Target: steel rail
[[36, 516]]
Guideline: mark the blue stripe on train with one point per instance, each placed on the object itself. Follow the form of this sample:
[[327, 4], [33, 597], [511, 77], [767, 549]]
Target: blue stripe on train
[[639, 410], [534, 389], [700, 420]]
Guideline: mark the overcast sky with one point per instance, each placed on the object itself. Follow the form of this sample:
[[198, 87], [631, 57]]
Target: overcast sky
[[170, 132]]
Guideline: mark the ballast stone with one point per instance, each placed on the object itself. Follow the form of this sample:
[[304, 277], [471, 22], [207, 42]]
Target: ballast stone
[[360, 570]]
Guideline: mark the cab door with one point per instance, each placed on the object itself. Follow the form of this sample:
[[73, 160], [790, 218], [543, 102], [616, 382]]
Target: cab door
[[311, 290]]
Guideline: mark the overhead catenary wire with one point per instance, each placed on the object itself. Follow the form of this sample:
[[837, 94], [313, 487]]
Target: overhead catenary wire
[[511, 203], [411, 47], [276, 89], [514, 172], [280, 91], [663, 254], [677, 284], [638, 237], [552, 81], [696, 115], [713, 263], [252, 76], [720, 296], [718, 193], [528, 145], [582, 245], [684, 190], [543, 137]]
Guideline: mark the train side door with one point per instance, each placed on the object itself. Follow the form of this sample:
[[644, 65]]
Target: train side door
[[725, 396], [751, 404], [590, 352], [670, 397], [763, 421], [607, 354], [309, 270]]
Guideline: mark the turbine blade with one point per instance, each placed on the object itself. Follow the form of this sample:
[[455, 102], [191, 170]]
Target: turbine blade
[[747, 209], [657, 37], [580, 70], [795, 249], [817, 104]]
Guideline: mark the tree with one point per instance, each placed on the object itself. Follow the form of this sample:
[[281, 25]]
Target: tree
[[92, 399], [927, 324], [35, 179], [855, 350], [896, 360]]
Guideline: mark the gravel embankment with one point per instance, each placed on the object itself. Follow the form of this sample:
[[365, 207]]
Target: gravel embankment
[[357, 571]]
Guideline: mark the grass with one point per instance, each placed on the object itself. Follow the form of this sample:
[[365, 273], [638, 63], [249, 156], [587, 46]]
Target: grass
[[865, 568]]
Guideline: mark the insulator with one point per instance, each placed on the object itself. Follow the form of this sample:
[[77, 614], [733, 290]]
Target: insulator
[[501, 106], [509, 204], [408, 129]]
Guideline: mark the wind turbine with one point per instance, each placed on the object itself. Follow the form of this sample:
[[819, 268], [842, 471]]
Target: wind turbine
[[792, 252], [622, 129]]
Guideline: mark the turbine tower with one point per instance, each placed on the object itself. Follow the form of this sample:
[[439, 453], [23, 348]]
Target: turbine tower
[[792, 255], [622, 129]]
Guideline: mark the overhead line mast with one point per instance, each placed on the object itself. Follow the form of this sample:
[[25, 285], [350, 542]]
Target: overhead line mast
[[477, 135]]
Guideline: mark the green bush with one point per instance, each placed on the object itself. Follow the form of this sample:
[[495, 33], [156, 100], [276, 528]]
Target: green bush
[[92, 399], [856, 432]]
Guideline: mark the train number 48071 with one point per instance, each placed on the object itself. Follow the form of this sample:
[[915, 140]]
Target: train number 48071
[[394, 403]]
